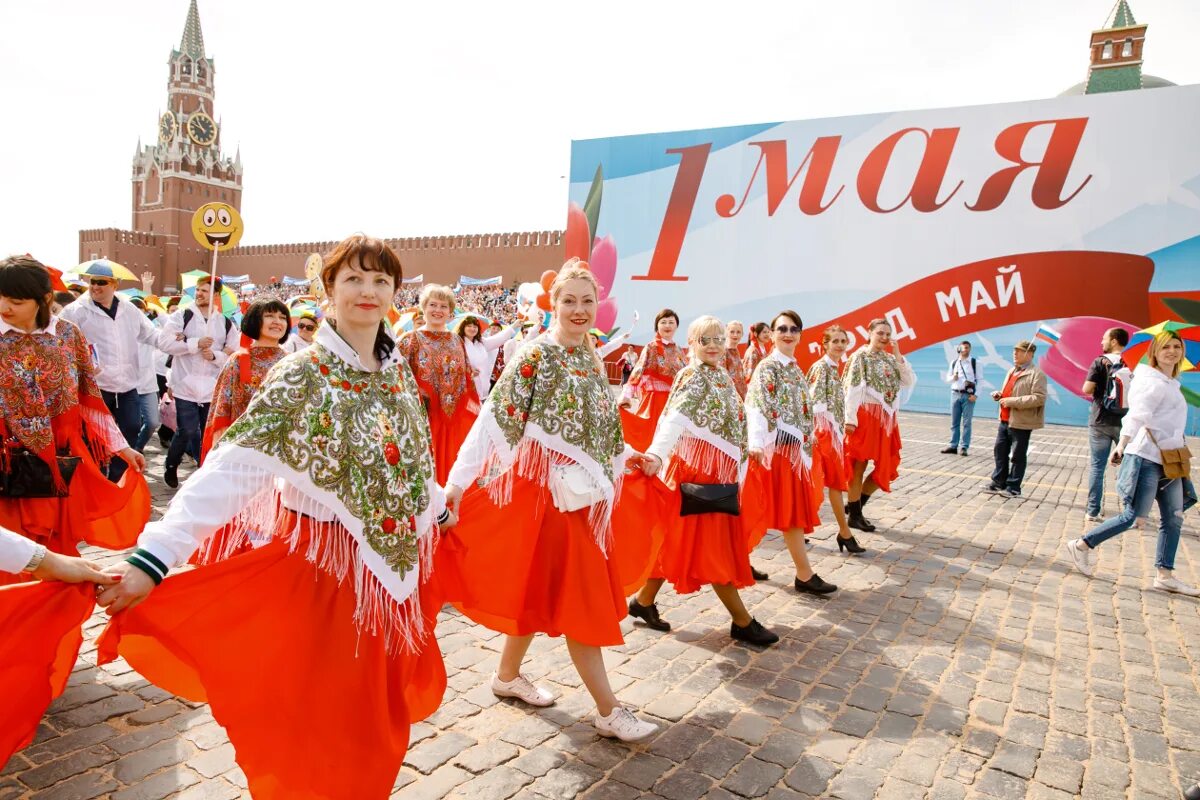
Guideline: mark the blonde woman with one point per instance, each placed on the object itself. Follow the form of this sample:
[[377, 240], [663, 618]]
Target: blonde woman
[[829, 420], [700, 441], [733, 359], [1155, 422]]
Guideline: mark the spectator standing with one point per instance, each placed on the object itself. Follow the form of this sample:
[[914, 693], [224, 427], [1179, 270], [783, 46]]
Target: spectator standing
[[964, 379], [147, 384], [1022, 411], [1108, 374], [628, 360]]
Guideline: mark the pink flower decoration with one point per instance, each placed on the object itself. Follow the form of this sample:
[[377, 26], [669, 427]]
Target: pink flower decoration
[[606, 314], [604, 264]]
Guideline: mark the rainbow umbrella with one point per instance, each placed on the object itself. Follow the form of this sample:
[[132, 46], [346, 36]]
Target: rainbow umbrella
[[229, 300], [103, 268], [599, 334], [307, 307], [1138, 349], [456, 321]]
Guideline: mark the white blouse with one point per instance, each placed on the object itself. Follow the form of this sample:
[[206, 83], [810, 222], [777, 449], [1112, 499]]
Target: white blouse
[[1156, 404], [15, 551]]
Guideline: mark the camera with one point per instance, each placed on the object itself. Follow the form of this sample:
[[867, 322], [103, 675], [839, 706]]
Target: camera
[[969, 387]]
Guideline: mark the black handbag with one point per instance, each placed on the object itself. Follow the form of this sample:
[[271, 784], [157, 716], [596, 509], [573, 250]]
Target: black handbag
[[709, 498], [29, 476]]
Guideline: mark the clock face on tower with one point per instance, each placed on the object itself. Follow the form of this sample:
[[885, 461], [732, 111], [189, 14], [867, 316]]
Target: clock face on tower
[[166, 128], [201, 128]]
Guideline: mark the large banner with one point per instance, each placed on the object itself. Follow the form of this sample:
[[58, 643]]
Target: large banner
[[984, 223]]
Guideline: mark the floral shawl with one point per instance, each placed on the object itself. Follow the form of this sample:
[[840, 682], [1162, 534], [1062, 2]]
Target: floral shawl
[[779, 408], [704, 404]]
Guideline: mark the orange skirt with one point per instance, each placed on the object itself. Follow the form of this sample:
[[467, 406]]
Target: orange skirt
[[527, 567], [835, 471], [872, 441], [41, 631], [700, 549], [447, 435], [314, 707], [640, 423], [779, 499]]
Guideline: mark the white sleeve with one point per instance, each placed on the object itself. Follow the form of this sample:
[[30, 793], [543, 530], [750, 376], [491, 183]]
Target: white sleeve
[[758, 432], [496, 340], [666, 435], [472, 454], [15, 551], [211, 497], [1142, 405], [614, 344], [908, 378], [437, 498]]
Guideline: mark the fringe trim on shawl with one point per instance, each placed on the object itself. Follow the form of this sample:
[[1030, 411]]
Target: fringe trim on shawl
[[792, 449], [104, 438], [867, 399], [703, 457], [334, 551], [823, 422]]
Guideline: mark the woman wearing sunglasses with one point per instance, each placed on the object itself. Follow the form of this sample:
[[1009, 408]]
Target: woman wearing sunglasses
[[873, 380], [784, 484]]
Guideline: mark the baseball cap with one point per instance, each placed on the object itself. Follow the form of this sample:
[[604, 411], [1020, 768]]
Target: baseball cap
[[1025, 345]]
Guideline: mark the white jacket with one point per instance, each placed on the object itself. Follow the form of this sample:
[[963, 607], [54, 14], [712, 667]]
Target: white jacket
[[15, 551], [193, 376], [115, 342], [1155, 404], [482, 357]]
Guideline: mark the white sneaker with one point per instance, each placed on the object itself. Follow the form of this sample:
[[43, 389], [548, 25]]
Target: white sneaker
[[1093, 518], [622, 724], [1084, 559], [1173, 584], [523, 689]]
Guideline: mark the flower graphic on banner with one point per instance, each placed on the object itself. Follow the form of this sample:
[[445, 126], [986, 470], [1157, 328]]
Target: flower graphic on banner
[[583, 242]]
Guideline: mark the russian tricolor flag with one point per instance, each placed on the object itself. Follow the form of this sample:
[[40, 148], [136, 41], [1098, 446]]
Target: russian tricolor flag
[[1046, 334]]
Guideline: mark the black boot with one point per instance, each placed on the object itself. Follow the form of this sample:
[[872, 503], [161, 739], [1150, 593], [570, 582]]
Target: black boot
[[171, 476], [815, 585], [649, 615], [758, 575], [855, 518], [862, 500], [850, 544], [754, 633]]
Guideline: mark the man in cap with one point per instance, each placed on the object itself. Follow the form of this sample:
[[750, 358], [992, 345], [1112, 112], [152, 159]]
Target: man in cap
[[1022, 411]]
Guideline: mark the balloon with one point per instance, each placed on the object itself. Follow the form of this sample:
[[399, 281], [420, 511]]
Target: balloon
[[606, 314], [548, 278], [604, 264], [577, 237], [1078, 345], [543, 302]]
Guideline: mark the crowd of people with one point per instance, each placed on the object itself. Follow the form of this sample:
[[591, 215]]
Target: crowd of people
[[352, 483]]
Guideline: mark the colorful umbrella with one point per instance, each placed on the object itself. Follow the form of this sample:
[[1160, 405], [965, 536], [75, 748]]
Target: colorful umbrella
[[1138, 349], [103, 268], [307, 307], [152, 301], [457, 321], [599, 334], [229, 301]]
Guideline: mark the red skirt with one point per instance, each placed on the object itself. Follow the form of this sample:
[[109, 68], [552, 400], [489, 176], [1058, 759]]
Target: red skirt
[[700, 549], [314, 707], [873, 441], [447, 435], [779, 499], [640, 423], [527, 567], [835, 471], [41, 631]]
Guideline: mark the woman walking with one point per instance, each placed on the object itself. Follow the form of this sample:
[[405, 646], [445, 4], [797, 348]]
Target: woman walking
[[316, 650], [548, 445], [1150, 454], [733, 359], [650, 382], [872, 383], [699, 450], [829, 417], [783, 487]]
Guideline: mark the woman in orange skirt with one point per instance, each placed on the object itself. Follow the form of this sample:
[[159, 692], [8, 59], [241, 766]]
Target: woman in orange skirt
[[438, 360], [41, 626], [701, 438], [315, 651], [542, 543], [872, 384], [645, 395], [784, 480], [52, 410], [758, 347], [733, 358], [829, 415]]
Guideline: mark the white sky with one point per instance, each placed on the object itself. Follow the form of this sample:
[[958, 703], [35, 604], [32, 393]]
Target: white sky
[[426, 118]]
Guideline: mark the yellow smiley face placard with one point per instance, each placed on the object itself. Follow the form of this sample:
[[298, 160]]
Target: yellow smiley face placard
[[217, 226]]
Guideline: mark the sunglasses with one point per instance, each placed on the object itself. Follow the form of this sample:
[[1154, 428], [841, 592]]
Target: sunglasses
[[789, 329], [709, 341], [306, 327], [98, 282]]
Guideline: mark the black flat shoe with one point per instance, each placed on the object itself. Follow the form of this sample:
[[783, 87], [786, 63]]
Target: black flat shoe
[[962, 452], [171, 477], [815, 585], [649, 615], [851, 544], [759, 575], [754, 633], [949, 450]]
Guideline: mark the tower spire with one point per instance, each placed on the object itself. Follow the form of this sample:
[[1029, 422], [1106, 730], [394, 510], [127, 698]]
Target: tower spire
[[1121, 16], [192, 42]]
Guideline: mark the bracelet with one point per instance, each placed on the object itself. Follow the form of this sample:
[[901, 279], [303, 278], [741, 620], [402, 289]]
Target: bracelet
[[443, 517], [150, 564], [35, 561]]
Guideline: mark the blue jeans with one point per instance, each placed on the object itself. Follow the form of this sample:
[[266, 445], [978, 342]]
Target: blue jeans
[[1100, 440], [1014, 441], [1140, 483], [189, 432], [962, 410], [128, 415], [150, 419]]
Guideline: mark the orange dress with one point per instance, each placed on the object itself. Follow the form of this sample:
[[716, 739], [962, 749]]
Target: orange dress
[[239, 380], [737, 372], [648, 387], [872, 384], [51, 405], [701, 438], [315, 651], [789, 490], [438, 361], [829, 413], [549, 419]]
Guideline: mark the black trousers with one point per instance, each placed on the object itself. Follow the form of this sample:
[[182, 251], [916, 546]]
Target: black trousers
[[1012, 444]]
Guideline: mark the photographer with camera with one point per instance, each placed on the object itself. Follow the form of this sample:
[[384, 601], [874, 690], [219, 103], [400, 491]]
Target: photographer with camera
[[963, 378]]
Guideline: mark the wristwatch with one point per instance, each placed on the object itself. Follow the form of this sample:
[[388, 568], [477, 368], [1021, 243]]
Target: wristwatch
[[35, 560]]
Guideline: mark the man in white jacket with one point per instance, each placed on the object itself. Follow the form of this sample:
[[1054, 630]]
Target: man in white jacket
[[114, 329], [199, 342]]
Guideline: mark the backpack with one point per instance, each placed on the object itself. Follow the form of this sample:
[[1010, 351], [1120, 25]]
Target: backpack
[[1115, 401], [188, 313]]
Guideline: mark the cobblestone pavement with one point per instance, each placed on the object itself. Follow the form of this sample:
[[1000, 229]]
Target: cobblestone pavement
[[960, 659]]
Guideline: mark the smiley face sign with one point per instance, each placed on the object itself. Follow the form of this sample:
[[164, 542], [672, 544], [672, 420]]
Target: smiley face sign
[[217, 226]]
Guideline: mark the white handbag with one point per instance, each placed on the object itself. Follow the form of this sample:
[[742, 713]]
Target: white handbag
[[572, 488]]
